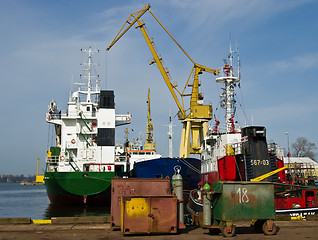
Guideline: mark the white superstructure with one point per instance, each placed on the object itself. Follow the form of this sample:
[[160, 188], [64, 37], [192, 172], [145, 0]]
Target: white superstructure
[[85, 132], [134, 151]]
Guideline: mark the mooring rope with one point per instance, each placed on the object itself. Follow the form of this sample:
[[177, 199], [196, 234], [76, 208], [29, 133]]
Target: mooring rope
[[106, 180], [189, 165]]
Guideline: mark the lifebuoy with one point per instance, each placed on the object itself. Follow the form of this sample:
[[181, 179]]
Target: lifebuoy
[[62, 158], [73, 141], [48, 117]]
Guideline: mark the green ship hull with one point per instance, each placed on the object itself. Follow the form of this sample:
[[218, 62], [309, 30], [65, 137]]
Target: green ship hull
[[79, 188]]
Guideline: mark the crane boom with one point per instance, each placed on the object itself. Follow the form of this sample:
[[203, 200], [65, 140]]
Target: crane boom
[[162, 69], [195, 122], [131, 20], [207, 69]]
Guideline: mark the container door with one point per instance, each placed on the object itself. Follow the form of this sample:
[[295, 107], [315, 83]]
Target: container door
[[136, 215], [244, 195], [254, 201], [163, 215]]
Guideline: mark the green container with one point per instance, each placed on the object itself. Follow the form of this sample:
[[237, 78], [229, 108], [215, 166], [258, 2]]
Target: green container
[[237, 201]]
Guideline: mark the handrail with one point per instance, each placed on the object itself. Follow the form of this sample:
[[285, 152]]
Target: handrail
[[52, 159]]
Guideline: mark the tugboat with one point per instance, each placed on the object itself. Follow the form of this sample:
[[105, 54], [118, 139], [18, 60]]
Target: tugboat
[[244, 155], [81, 162]]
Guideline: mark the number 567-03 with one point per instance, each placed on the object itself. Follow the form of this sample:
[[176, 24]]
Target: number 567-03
[[259, 162]]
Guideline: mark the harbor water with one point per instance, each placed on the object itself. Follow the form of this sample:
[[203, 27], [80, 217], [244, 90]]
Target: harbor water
[[31, 201]]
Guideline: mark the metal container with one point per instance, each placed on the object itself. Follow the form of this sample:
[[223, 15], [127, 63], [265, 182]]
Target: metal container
[[149, 214], [134, 187], [237, 201]]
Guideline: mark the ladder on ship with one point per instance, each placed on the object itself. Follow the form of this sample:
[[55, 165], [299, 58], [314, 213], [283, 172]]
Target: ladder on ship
[[86, 129], [71, 162]]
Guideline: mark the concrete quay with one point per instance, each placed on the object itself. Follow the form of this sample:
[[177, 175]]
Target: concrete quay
[[99, 228]]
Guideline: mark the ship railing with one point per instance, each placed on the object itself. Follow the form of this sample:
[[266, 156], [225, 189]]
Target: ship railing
[[121, 158], [50, 116], [94, 91], [234, 148], [70, 114], [52, 160], [237, 148]]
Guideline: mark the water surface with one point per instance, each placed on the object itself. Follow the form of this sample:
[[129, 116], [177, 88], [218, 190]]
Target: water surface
[[31, 201]]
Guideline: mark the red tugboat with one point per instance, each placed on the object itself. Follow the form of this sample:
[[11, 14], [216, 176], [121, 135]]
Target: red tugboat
[[244, 155]]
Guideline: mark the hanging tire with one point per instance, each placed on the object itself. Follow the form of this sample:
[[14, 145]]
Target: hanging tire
[[267, 231]]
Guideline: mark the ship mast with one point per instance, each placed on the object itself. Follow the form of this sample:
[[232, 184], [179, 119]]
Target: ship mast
[[227, 98], [170, 137], [170, 134], [89, 76]]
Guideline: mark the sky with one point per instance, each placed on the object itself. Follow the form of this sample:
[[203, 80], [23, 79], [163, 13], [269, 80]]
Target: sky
[[40, 58]]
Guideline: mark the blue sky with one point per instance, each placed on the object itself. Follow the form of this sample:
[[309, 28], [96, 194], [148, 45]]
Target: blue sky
[[40, 50]]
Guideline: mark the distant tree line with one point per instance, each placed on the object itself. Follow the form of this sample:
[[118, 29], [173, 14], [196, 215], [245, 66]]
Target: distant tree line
[[303, 148], [16, 178]]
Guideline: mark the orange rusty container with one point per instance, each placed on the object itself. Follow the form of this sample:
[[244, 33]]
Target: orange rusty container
[[149, 214], [134, 187]]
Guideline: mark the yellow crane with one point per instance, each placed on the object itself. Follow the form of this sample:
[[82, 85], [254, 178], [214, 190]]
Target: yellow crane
[[194, 118], [149, 145]]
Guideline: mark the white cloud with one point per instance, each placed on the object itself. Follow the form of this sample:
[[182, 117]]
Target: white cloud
[[215, 14], [300, 63]]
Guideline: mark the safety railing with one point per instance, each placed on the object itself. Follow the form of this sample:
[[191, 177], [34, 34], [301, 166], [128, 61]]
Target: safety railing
[[72, 114], [121, 158], [52, 160]]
